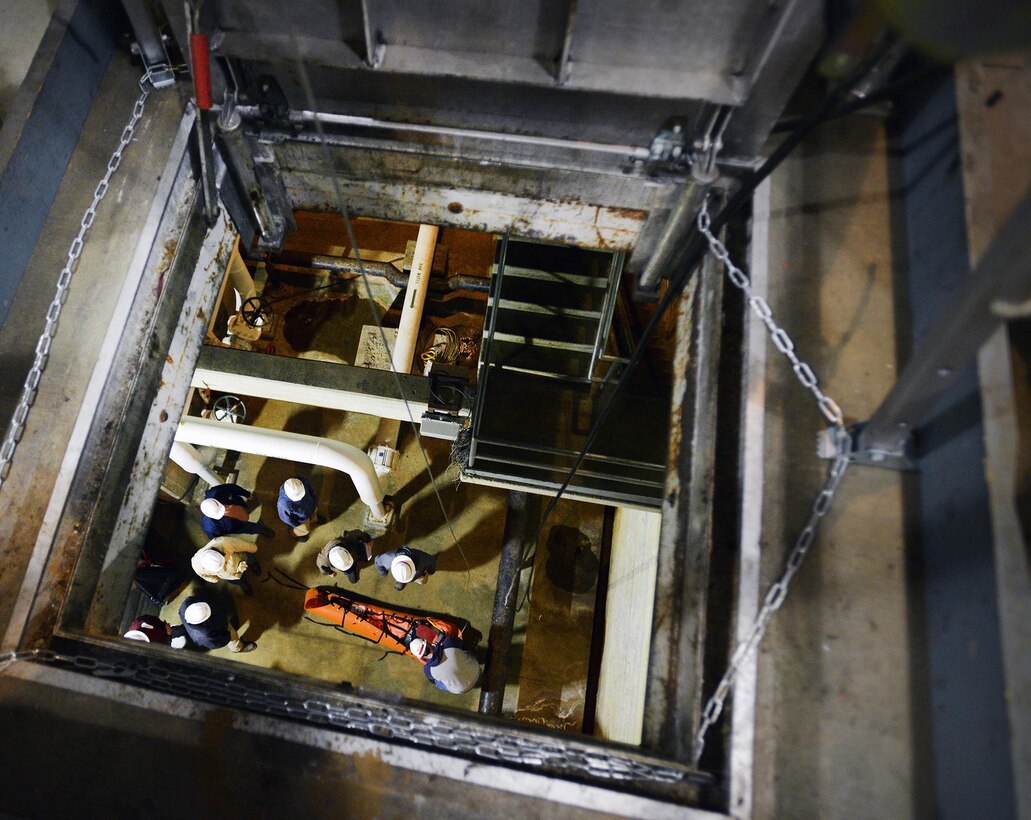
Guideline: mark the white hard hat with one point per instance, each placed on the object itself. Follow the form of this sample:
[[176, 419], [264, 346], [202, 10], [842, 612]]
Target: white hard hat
[[212, 560], [137, 635], [403, 569], [341, 558], [212, 508], [197, 613], [418, 647], [294, 489]]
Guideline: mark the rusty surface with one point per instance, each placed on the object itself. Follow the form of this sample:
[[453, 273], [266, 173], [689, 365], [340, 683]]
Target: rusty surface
[[678, 631]]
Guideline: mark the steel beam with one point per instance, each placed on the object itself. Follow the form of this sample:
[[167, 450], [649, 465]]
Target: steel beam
[[1002, 277], [149, 43], [674, 691], [266, 211], [319, 384], [678, 225]]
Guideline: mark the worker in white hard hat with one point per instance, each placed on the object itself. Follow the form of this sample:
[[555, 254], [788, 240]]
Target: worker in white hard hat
[[224, 512], [418, 647], [227, 558], [150, 629], [406, 565], [206, 624], [298, 506], [450, 666], [344, 554]]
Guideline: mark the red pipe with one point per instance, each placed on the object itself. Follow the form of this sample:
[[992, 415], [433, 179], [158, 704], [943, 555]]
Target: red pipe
[[201, 70]]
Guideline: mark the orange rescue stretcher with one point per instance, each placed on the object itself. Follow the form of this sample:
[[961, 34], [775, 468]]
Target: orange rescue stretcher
[[392, 629]]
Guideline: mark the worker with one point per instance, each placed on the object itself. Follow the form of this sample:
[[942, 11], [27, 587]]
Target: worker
[[450, 666], [407, 565], [206, 625], [298, 506], [151, 629], [343, 554], [224, 512], [224, 559]]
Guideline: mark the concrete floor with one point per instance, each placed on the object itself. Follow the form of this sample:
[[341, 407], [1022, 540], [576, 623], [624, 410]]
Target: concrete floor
[[834, 723], [24, 24], [462, 588], [547, 677]]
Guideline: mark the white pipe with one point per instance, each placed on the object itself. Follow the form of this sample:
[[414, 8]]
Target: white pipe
[[187, 457], [415, 298], [241, 278], [259, 441]]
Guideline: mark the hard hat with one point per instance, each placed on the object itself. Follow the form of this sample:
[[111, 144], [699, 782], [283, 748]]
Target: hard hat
[[294, 489], [197, 613], [212, 508], [418, 647], [212, 560], [137, 635], [403, 569], [341, 558]]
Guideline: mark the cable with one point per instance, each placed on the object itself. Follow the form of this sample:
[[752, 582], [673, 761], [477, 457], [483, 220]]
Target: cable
[[310, 97]]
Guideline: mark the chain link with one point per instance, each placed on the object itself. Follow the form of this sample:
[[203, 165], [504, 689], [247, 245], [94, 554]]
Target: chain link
[[778, 591], [761, 308], [397, 722], [64, 281]]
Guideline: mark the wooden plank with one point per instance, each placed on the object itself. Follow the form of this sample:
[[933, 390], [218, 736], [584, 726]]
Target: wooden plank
[[993, 99], [630, 600]]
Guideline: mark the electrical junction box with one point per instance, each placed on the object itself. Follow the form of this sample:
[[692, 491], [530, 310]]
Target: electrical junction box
[[441, 425]]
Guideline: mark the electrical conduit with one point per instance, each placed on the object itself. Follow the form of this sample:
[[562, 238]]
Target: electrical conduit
[[292, 447]]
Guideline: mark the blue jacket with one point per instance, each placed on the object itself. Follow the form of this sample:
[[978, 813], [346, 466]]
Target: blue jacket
[[229, 494], [295, 513], [229, 526]]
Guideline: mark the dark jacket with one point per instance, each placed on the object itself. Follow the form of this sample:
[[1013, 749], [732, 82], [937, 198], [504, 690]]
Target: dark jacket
[[229, 526], [295, 513], [355, 542], [229, 495], [424, 562], [214, 632]]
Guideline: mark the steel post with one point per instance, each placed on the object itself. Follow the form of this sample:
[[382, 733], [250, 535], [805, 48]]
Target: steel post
[[492, 693], [678, 225], [1002, 279]]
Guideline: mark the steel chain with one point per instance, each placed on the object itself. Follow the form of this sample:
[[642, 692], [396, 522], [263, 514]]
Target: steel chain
[[761, 308], [438, 732], [778, 591], [64, 281]]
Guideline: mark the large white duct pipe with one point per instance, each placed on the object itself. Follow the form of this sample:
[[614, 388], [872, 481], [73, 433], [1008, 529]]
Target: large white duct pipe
[[241, 278], [190, 460], [415, 298], [292, 447]]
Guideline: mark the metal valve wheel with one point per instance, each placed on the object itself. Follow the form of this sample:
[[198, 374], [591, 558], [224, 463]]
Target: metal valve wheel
[[257, 312], [229, 409]]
